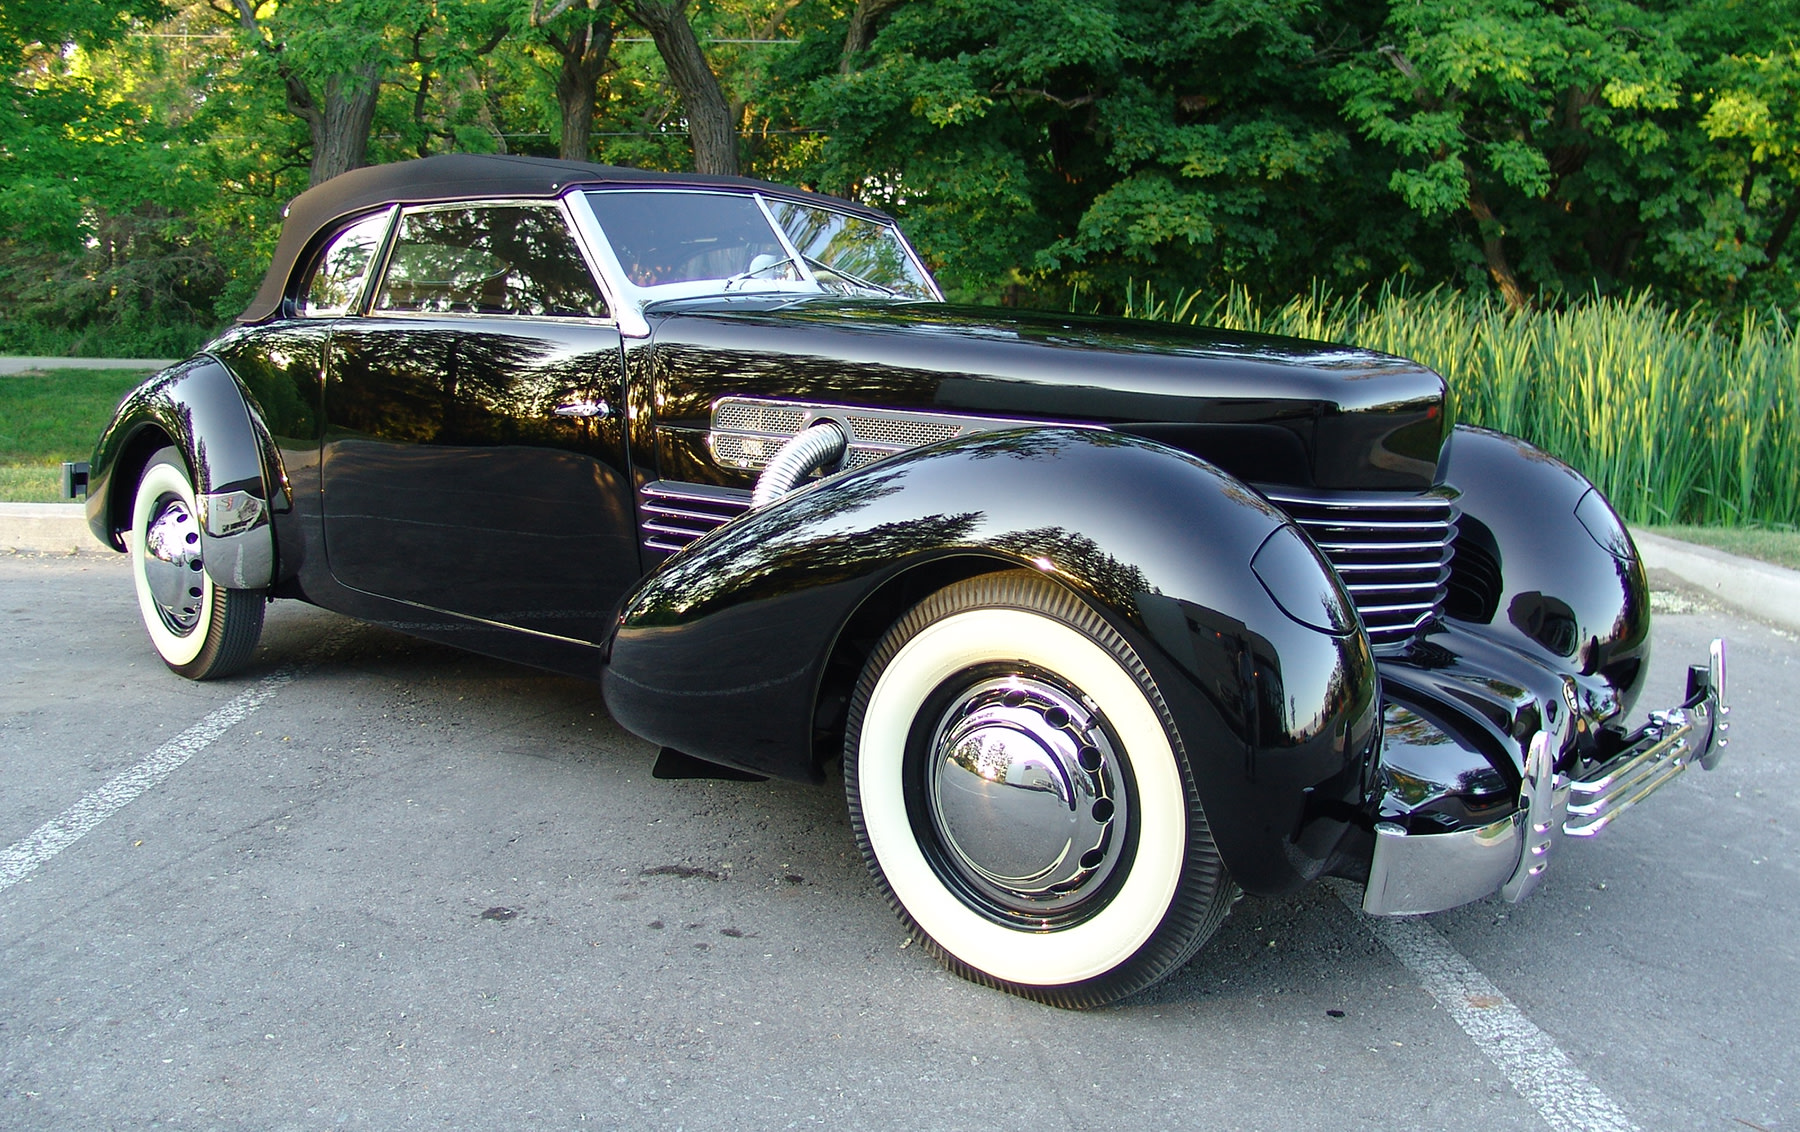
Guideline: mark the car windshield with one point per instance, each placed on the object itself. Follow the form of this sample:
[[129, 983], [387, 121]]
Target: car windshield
[[676, 244]]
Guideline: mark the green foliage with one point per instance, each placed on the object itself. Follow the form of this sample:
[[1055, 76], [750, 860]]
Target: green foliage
[[1570, 139], [1035, 149], [98, 204], [1079, 143]]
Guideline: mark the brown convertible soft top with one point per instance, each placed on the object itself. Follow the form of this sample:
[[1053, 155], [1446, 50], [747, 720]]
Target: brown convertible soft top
[[318, 211]]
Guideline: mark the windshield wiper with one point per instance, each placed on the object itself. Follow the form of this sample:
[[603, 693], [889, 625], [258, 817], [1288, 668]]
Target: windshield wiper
[[856, 280], [756, 269]]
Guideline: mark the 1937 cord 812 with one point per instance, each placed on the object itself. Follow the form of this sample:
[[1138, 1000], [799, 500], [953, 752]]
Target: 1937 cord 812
[[1107, 620]]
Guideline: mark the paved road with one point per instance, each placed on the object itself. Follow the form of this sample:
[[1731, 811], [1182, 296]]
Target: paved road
[[407, 884]]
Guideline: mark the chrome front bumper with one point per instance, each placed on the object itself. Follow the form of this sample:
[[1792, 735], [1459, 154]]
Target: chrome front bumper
[[1415, 873]]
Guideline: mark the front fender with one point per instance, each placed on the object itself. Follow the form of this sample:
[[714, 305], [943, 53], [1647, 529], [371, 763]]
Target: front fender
[[200, 408], [1544, 567], [721, 653]]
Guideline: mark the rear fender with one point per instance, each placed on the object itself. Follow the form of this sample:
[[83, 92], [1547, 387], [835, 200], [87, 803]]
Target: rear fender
[[202, 410], [723, 652]]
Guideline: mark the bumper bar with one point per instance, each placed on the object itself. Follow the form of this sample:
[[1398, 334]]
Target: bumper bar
[[1415, 873]]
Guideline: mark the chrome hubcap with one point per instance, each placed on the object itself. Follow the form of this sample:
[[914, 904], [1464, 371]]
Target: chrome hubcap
[[172, 565], [1027, 797]]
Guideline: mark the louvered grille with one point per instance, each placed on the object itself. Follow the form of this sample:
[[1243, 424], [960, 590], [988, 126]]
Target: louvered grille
[[746, 433], [740, 451], [671, 515], [759, 416], [898, 431], [1392, 552]]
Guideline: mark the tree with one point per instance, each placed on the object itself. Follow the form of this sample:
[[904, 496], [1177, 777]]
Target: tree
[[331, 58], [865, 19], [1051, 143], [712, 128], [97, 187], [1725, 222], [1494, 108], [330, 75], [54, 113], [583, 48]]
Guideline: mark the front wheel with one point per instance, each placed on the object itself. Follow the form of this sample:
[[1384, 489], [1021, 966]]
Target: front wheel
[[200, 629], [1018, 788]]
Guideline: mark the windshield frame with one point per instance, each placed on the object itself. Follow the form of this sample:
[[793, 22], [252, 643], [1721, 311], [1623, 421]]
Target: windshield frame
[[639, 298]]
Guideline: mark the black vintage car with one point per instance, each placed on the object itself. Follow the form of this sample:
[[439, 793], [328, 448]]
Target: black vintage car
[[1107, 620]]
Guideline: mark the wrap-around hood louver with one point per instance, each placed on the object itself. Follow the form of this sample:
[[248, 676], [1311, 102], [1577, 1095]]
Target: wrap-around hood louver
[[1392, 552]]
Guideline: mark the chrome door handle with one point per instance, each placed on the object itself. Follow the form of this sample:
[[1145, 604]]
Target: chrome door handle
[[582, 409]]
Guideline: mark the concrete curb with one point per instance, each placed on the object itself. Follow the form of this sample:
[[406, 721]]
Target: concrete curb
[[1760, 589], [17, 364], [47, 528]]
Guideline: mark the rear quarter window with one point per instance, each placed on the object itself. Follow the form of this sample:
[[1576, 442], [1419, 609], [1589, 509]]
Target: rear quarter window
[[337, 276]]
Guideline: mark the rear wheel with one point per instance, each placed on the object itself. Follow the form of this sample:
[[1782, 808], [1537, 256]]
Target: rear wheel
[[1017, 786], [200, 629]]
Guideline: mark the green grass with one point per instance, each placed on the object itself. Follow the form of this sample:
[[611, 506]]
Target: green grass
[[1780, 547], [1677, 418], [51, 417], [24, 483]]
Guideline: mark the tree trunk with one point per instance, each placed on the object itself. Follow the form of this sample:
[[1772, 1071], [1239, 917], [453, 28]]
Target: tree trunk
[[711, 130], [1492, 249], [585, 55], [1784, 228], [864, 22], [340, 128]]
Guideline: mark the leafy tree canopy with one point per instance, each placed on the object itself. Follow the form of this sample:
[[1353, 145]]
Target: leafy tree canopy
[[1041, 151]]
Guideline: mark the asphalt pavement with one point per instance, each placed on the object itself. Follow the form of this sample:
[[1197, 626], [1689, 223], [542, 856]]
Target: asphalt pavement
[[376, 881]]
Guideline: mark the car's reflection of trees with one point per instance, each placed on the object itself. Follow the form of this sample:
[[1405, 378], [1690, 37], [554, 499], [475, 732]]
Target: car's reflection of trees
[[806, 543], [483, 383], [532, 264], [281, 369], [779, 361]]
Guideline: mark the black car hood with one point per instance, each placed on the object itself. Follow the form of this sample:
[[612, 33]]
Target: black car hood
[[1268, 409]]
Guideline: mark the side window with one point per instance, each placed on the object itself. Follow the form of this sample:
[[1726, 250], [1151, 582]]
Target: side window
[[337, 277], [491, 259]]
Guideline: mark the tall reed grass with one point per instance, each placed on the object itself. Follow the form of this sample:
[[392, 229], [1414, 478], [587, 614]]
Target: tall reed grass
[[1677, 417]]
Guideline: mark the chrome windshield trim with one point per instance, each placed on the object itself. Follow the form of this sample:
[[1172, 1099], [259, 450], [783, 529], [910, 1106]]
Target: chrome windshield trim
[[795, 256], [627, 307], [634, 301]]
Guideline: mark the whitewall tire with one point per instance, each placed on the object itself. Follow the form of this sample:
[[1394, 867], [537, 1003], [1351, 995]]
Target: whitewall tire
[[200, 629], [1017, 786]]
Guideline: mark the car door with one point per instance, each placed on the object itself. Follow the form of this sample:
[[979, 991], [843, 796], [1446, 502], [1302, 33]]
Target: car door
[[473, 461]]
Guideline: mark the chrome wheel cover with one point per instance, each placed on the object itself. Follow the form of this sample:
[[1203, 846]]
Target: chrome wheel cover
[[172, 565], [1027, 799]]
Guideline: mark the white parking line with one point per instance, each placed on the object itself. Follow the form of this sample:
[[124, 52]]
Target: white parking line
[[1541, 1072], [74, 823]]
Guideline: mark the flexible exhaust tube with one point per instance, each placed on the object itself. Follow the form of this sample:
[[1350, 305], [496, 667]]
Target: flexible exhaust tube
[[820, 446]]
